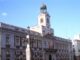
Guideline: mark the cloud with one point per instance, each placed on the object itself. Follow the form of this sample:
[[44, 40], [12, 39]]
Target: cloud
[[4, 14]]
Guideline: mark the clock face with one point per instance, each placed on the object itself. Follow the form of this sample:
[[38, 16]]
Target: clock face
[[41, 20]]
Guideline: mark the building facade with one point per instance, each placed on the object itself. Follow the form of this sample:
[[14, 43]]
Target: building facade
[[61, 49], [76, 47], [13, 43], [35, 43]]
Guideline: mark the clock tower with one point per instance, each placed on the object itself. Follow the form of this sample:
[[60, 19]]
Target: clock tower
[[44, 17], [43, 26]]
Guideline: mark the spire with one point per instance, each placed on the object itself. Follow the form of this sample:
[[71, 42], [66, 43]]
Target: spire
[[43, 8]]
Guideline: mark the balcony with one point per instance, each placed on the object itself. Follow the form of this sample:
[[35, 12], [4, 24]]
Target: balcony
[[8, 55], [51, 50], [24, 44], [17, 44], [7, 44], [17, 52]]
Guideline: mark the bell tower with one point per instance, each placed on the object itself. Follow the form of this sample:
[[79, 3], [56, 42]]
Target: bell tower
[[44, 18], [43, 26]]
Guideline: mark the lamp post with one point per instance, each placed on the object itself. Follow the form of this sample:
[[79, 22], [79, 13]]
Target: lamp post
[[28, 49], [28, 35]]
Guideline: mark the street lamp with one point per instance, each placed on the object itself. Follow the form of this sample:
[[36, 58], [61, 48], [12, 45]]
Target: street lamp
[[28, 35], [28, 49]]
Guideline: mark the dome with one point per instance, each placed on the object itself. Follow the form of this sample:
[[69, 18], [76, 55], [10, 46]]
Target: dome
[[43, 6]]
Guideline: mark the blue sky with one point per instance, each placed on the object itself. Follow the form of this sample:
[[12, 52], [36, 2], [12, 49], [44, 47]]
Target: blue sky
[[65, 14]]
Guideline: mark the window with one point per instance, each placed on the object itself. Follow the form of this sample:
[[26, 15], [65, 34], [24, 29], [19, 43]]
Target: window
[[23, 42], [79, 50], [7, 52], [17, 52], [47, 20], [43, 31], [17, 41], [41, 20], [7, 38], [7, 59]]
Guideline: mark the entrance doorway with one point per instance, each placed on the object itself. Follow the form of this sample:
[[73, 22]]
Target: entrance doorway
[[50, 57]]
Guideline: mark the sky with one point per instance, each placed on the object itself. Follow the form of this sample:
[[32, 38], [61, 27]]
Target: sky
[[65, 14]]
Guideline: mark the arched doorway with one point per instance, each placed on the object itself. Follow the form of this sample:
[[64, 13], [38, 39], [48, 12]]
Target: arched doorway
[[50, 57]]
